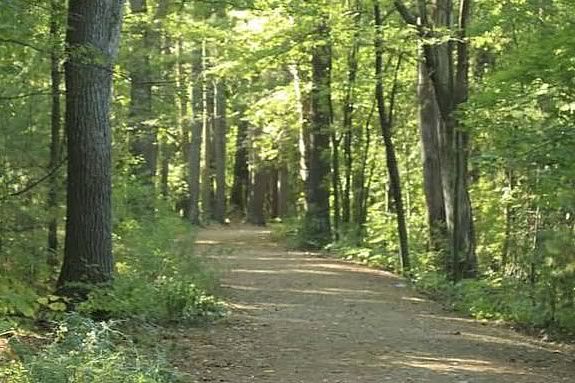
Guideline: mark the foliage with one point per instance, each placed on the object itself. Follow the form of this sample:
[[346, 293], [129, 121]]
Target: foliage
[[83, 351], [158, 278]]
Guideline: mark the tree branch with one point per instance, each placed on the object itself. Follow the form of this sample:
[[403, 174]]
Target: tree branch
[[37, 182]]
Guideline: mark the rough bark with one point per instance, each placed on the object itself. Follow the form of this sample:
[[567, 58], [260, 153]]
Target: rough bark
[[94, 30], [317, 226], [450, 85], [384, 120], [429, 124]]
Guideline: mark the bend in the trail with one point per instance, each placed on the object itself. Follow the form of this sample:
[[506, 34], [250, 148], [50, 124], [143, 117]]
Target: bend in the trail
[[297, 317]]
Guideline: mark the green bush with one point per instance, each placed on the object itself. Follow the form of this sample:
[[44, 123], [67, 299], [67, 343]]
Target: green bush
[[157, 276], [84, 351]]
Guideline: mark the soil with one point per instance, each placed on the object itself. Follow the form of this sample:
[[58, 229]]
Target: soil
[[300, 317]]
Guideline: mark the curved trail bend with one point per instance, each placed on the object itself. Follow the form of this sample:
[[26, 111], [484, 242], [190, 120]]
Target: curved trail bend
[[300, 318]]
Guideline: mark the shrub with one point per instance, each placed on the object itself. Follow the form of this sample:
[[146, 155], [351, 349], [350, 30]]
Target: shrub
[[84, 351]]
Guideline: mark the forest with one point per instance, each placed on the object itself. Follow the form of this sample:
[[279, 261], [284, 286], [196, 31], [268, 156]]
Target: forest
[[160, 158]]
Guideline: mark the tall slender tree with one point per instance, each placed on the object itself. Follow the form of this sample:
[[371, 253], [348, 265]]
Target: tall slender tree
[[56, 128], [385, 121]]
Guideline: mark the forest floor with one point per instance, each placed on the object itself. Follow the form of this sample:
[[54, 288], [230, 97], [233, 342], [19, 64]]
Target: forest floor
[[299, 317]]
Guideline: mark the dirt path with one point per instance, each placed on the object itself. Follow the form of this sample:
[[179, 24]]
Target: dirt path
[[301, 318]]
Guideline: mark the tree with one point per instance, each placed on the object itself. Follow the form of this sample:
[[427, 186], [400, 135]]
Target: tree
[[144, 145], [55, 137], [317, 227], [194, 152], [92, 39], [385, 121], [450, 85]]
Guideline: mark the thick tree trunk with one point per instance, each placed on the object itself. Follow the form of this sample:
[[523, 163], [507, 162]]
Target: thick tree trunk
[[239, 193], [55, 139], [450, 85], [317, 227], [220, 137], [393, 170], [257, 197], [88, 247], [143, 143], [258, 184], [429, 124]]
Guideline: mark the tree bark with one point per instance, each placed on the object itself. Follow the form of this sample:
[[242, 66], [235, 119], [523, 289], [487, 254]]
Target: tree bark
[[94, 30], [239, 193], [220, 137], [429, 125], [384, 120], [450, 85], [258, 184], [317, 226]]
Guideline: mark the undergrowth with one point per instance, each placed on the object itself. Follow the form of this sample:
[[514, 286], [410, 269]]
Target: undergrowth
[[83, 351], [158, 282]]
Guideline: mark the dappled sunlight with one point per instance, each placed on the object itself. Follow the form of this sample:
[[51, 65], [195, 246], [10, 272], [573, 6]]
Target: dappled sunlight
[[291, 271], [207, 242], [449, 318], [353, 268], [446, 365], [352, 291], [509, 342], [415, 300]]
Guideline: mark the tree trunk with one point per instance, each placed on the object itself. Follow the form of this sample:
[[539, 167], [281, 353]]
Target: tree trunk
[[429, 124], [450, 85], [194, 155], [239, 194], [88, 246], [283, 191], [257, 196], [348, 110], [143, 143], [303, 137], [220, 137], [393, 170], [56, 123], [335, 185], [208, 126], [258, 184], [317, 227]]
